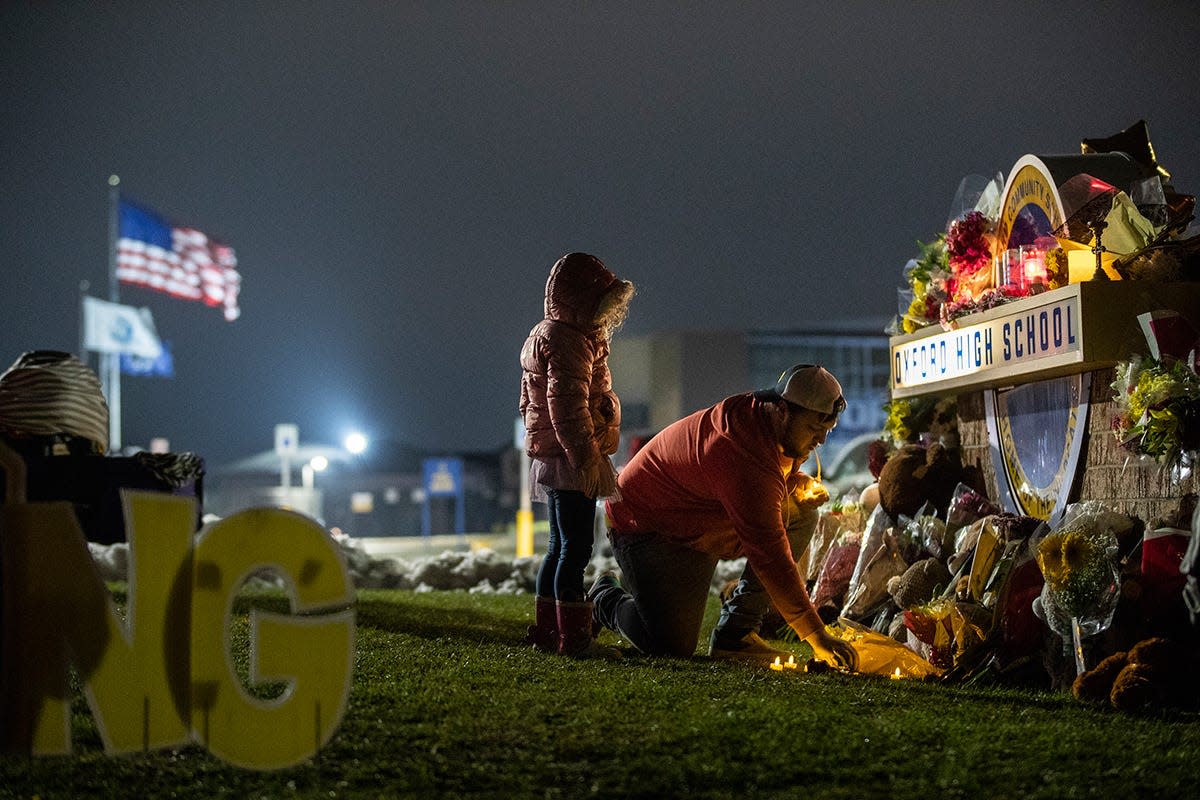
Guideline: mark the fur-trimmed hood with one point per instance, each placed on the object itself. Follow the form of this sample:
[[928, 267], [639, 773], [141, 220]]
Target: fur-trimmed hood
[[575, 287]]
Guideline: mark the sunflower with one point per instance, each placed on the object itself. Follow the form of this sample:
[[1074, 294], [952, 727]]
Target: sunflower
[[1077, 568], [1078, 552], [1050, 559]]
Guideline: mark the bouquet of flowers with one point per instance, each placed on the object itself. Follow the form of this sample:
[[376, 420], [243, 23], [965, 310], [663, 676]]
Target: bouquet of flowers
[[926, 276], [931, 631], [897, 428], [833, 579], [1157, 409], [907, 419], [1082, 584], [920, 419], [1057, 269], [881, 655], [969, 256], [956, 268], [966, 506]]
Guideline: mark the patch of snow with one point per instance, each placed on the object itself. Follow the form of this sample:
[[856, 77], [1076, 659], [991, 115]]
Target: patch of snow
[[482, 571]]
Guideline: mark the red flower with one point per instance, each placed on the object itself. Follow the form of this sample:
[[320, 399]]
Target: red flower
[[967, 248]]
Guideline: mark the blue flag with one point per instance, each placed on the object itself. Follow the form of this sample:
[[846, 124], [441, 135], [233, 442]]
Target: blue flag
[[161, 367]]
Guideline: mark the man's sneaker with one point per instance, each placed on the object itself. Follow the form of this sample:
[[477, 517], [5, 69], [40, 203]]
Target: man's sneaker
[[605, 580], [749, 647]]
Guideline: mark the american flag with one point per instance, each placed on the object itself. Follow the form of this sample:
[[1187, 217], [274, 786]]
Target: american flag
[[181, 262]]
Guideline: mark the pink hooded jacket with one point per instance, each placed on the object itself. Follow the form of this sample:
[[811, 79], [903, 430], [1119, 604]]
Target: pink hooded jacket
[[572, 415]]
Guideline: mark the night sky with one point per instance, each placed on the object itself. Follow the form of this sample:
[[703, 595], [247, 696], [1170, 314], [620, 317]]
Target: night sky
[[398, 178]]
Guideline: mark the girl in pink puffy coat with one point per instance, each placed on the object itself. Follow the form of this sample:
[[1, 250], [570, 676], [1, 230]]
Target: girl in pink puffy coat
[[572, 425]]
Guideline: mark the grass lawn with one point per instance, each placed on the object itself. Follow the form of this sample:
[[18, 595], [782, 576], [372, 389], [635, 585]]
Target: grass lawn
[[447, 703]]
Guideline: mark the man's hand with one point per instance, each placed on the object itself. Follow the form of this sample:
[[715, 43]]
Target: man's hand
[[833, 651]]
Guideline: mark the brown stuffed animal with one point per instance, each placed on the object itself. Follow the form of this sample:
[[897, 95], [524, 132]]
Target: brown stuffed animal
[[1153, 674], [918, 583], [915, 475]]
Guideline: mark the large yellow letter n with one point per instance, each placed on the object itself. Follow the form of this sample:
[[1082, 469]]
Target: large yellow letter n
[[166, 674]]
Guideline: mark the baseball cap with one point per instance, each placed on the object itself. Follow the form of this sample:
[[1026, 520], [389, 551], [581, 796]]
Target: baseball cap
[[812, 387]]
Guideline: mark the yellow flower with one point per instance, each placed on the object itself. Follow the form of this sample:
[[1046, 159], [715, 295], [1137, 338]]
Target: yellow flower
[[1067, 555], [1077, 568], [896, 425], [1078, 552], [1056, 267], [1050, 559]]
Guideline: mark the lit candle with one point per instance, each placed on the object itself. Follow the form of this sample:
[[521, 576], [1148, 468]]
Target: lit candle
[[1033, 266], [791, 663], [777, 665], [896, 674]]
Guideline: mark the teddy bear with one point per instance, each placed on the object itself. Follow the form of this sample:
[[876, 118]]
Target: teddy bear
[[919, 583], [1153, 674], [916, 474]]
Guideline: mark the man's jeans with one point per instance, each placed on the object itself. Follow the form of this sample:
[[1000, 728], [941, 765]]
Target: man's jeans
[[743, 612], [665, 586], [664, 590]]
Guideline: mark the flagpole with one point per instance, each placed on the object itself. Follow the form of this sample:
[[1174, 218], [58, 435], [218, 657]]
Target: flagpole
[[83, 352], [112, 361]]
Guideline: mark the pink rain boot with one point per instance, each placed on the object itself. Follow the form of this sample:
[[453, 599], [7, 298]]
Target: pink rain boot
[[543, 633], [575, 637]]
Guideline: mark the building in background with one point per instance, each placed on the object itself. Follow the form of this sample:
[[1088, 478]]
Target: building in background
[[380, 493], [662, 377]]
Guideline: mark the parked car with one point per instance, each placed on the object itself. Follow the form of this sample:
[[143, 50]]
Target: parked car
[[847, 473]]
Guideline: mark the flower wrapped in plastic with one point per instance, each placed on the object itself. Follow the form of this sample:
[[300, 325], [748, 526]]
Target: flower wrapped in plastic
[[903, 417], [924, 535], [931, 631], [969, 256], [834, 576], [1078, 560], [926, 277], [1157, 409], [919, 420], [834, 525], [1057, 269], [869, 591], [966, 506], [878, 525], [944, 629]]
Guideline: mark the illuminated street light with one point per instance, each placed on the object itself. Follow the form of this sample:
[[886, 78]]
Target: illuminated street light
[[307, 472], [356, 443]]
